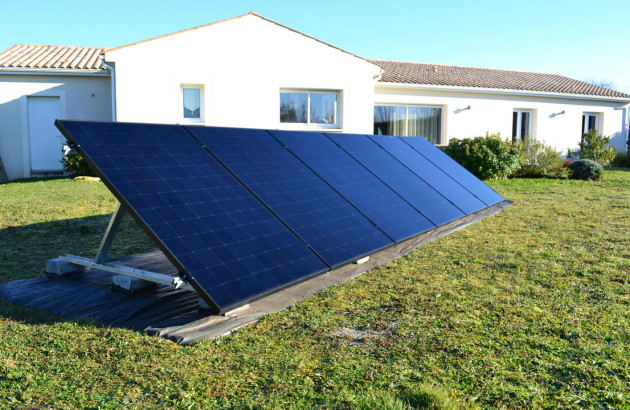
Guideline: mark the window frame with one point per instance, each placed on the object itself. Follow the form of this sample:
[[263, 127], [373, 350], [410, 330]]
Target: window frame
[[597, 121], [202, 105], [519, 121], [406, 126], [308, 124]]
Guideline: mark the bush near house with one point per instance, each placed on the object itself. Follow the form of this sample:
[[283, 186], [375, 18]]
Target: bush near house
[[622, 159], [75, 165], [539, 160], [594, 147], [486, 157], [587, 170]]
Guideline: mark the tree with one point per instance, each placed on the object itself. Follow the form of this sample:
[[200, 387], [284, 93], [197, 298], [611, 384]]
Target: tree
[[602, 82]]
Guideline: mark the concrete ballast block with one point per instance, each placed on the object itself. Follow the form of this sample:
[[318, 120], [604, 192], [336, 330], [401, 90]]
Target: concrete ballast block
[[58, 267], [362, 260], [130, 283]]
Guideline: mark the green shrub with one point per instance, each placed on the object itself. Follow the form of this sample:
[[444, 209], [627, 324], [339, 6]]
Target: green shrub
[[594, 147], [486, 157], [538, 160], [622, 159], [587, 169], [75, 165]]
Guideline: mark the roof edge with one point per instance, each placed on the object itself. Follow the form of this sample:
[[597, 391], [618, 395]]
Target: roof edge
[[507, 91], [99, 72], [316, 39], [251, 13], [462, 66]]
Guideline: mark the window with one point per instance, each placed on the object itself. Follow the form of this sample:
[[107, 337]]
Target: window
[[192, 103], [315, 108], [522, 125], [590, 121], [409, 121]]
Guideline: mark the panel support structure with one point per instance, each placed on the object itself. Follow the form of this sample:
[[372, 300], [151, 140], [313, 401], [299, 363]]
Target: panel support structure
[[159, 278], [101, 255], [110, 233]]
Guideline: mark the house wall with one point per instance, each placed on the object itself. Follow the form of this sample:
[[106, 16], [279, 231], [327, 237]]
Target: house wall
[[82, 98], [493, 113], [242, 64]]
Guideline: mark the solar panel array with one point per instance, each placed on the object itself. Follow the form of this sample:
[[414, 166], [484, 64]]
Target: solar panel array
[[242, 213]]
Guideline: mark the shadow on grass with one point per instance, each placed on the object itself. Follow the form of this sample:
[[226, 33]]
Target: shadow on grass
[[620, 169], [38, 179], [25, 249]]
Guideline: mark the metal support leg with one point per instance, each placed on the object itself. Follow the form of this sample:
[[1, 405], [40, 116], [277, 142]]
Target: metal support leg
[[73, 263], [110, 233]]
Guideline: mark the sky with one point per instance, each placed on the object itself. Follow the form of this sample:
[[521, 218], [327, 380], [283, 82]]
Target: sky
[[585, 40]]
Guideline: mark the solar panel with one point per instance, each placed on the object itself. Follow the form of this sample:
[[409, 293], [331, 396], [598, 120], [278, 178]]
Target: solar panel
[[207, 223], [318, 214], [242, 213], [473, 184], [432, 175], [377, 201], [426, 199]]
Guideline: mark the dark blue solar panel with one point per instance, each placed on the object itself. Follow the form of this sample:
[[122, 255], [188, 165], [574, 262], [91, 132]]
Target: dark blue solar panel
[[327, 222], [431, 174], [455, 170], [377, 201], [205, 221], [392, 172]]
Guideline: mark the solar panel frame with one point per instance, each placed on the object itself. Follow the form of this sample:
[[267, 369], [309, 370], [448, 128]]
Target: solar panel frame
[[451, 167], [278, 178], [134, 193]]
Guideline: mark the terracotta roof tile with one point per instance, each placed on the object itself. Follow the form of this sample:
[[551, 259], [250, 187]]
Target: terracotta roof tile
[[456, 76], [44, 56]]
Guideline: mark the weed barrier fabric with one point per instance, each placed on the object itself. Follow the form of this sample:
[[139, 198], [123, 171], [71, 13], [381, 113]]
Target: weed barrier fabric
[[90, 295], [173, 314]]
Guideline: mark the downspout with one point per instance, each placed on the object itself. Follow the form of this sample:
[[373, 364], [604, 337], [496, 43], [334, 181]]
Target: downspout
[[113, 82]]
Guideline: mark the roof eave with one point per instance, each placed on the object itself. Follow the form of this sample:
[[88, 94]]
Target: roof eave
[[504, 91], [55, 71]]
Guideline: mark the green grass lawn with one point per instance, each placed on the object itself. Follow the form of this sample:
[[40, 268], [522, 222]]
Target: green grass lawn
[[527, 308]]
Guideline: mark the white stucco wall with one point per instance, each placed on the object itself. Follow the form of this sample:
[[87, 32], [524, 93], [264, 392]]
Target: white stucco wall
[[242, 65], [491, 112], [82, 98]]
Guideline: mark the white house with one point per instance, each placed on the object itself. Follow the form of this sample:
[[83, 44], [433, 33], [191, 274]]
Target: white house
[[41, 83], [249, 71], [472, 101]]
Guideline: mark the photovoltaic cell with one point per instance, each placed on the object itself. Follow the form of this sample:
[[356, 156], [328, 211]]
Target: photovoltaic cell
[[377, 201], [431, 174], [473, 184], [206, 222], [327, 222], [426, 199]]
